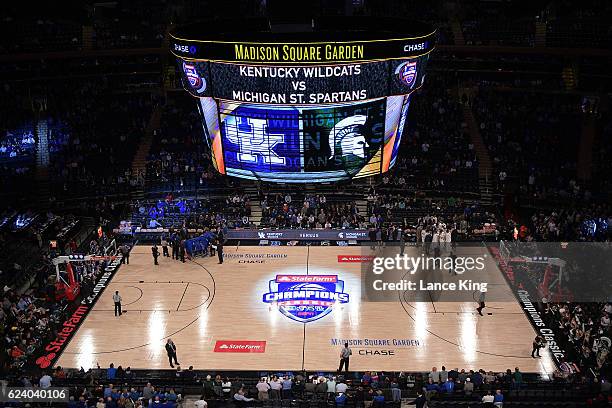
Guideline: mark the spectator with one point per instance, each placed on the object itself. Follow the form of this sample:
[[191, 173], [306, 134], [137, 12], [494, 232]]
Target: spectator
[[262, 389], [341, 400], [468, 387], [45, 381], [287, 385], [341, 386], [201, 403], [434, 375], [331, 388], [226, 386], [239, 396], [111, 372], [378, 401], [498, 399], [420, 400], [487, 400], [518, 378], [443, 374]]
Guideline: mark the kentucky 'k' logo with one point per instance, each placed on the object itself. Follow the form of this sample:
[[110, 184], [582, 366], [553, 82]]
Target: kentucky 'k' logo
[[196, 82], [305, 298], [407, 73], [255, 140]]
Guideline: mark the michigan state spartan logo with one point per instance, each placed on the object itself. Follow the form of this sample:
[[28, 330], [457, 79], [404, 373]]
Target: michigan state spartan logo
[[305, 298]]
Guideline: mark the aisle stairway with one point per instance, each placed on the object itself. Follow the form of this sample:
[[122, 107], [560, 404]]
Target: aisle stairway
[[570, 77], [87, 37], [585, 150], [252, 190], [42, 147], [43, 187], [485, 167], [540, 34], [362, 206], [139, 163], [455, 26]]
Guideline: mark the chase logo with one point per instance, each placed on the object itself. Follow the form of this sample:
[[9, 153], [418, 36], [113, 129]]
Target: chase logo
[[185, 49], [415, 47], [305, 298], [407, 73]]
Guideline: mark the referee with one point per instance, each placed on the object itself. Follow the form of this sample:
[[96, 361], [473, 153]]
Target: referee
[[117, 300], [345, 355], [481, 301]]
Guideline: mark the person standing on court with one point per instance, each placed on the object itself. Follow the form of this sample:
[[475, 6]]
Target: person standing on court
[[481, 301], [117, 301], [345, 354], [125, 251], [155, 253], [220, 250], [182, 251], [538, 343], [164, 244], [174, 246], [171, 350]]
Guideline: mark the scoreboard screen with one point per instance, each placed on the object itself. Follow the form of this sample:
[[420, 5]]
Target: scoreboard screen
[[309, 111]]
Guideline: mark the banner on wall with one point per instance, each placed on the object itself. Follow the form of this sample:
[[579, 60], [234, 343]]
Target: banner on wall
[[299, 234]]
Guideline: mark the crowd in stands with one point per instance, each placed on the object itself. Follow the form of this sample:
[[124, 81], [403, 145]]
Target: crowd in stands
[[436, 151], [94, 133], [129, 26], [501, 24], [192, 213], [588, 223], [309, 211], [603, 150], [17, 144], [124, 25], [113, 25], [584, 330], [577, 25], [179, 159], [419, 216], [119, 387], [532, 141]]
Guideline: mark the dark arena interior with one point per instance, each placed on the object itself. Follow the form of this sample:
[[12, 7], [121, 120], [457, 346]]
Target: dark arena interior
[[328, 203]]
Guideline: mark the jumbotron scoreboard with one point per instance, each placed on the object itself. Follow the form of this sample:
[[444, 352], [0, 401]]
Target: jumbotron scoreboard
[[316, 103]]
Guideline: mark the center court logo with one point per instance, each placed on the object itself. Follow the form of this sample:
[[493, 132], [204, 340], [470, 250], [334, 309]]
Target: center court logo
[[305, 298]]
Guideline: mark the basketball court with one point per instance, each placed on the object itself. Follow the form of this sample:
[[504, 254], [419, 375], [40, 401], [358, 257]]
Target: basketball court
[[214, 313]]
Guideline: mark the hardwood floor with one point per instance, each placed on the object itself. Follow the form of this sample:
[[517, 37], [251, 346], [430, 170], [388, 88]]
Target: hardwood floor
[[200, 303]]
